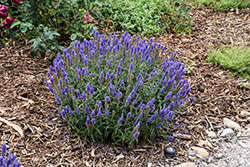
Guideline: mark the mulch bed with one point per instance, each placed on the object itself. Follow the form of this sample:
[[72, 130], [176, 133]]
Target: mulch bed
[[25, 101]]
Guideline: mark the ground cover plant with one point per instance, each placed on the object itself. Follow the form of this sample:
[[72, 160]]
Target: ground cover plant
[[148, 17], [117, 90], [235, 59], [10, 160], [223, 5]]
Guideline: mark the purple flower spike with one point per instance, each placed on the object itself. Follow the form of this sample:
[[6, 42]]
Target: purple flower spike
[[100, 103], [168, 96], [88, 87], [121, 119], [131, 67], [163, 49], [129, 115], [107, 99], [171, 137], [87, 109], [107, 112], [63, 114], [128, 99], [78, 93], [88, 120], [4, 149], [99, 112], [93, 120], [122, 83], [192, 99], [83, 96], [93, 113], [136, 134], [77, 110]]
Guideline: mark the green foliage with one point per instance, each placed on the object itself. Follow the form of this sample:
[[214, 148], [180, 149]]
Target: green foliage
[[117, 90], [190, 65], [45, 41], [64, 17], [223, 5], [243, 84], [148, 17], [235, 59]]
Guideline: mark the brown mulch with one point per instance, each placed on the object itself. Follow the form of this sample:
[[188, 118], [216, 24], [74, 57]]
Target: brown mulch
[[25, 101]]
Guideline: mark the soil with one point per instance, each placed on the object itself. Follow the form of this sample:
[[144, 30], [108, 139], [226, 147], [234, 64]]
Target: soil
[[33, 130]]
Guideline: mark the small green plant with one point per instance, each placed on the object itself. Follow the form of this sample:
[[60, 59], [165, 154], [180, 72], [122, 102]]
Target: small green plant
[[190, 65], [148, 17], [235, 59], [242, 83], [223, 5], [117, 89]]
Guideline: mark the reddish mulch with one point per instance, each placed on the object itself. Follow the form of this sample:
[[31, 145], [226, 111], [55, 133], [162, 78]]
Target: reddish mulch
[[25, 101]]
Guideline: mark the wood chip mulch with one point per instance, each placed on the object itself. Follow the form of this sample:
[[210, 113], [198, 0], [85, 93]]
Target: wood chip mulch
[[33, 130]]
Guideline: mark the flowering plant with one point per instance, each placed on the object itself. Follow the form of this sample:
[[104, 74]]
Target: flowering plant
[[87, 17], [3, 10], [11, 158], [111, 89], [7, 22]]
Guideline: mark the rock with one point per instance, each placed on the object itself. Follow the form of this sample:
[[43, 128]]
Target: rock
[[187, 164], [243, 144], [200, 126], [191, 152], [201, 152], [231, 124], [204, 143], [192, 158], [149, 164], [218, 156], [244, 113], [210, 133], [227, 132]]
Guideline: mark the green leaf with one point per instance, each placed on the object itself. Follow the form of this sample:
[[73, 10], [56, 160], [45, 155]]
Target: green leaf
[[29, 25], [16, 22], [42, 53], [33, 52], [73, 37], [23, 27], [80, 34]]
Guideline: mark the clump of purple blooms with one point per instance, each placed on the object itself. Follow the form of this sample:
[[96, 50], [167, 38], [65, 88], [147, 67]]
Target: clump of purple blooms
[[117, 89], [11, 158]]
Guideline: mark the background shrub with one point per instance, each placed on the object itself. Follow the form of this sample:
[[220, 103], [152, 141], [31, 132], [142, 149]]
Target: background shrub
[[148, 17], [117, 90]]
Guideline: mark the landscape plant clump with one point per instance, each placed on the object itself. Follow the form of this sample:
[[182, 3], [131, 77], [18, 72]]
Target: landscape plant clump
[[237, 60], [11, 158], [117, 89], [223, 5], [148, 17]]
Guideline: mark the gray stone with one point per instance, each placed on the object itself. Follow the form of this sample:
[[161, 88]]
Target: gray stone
[[201, 152], [191, 152], [210, 133], [227, 132], [187, 164], [218, 156], [231, 124]]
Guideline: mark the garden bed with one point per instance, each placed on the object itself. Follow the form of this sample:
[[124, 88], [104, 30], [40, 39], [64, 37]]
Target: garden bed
[[26, 101]]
